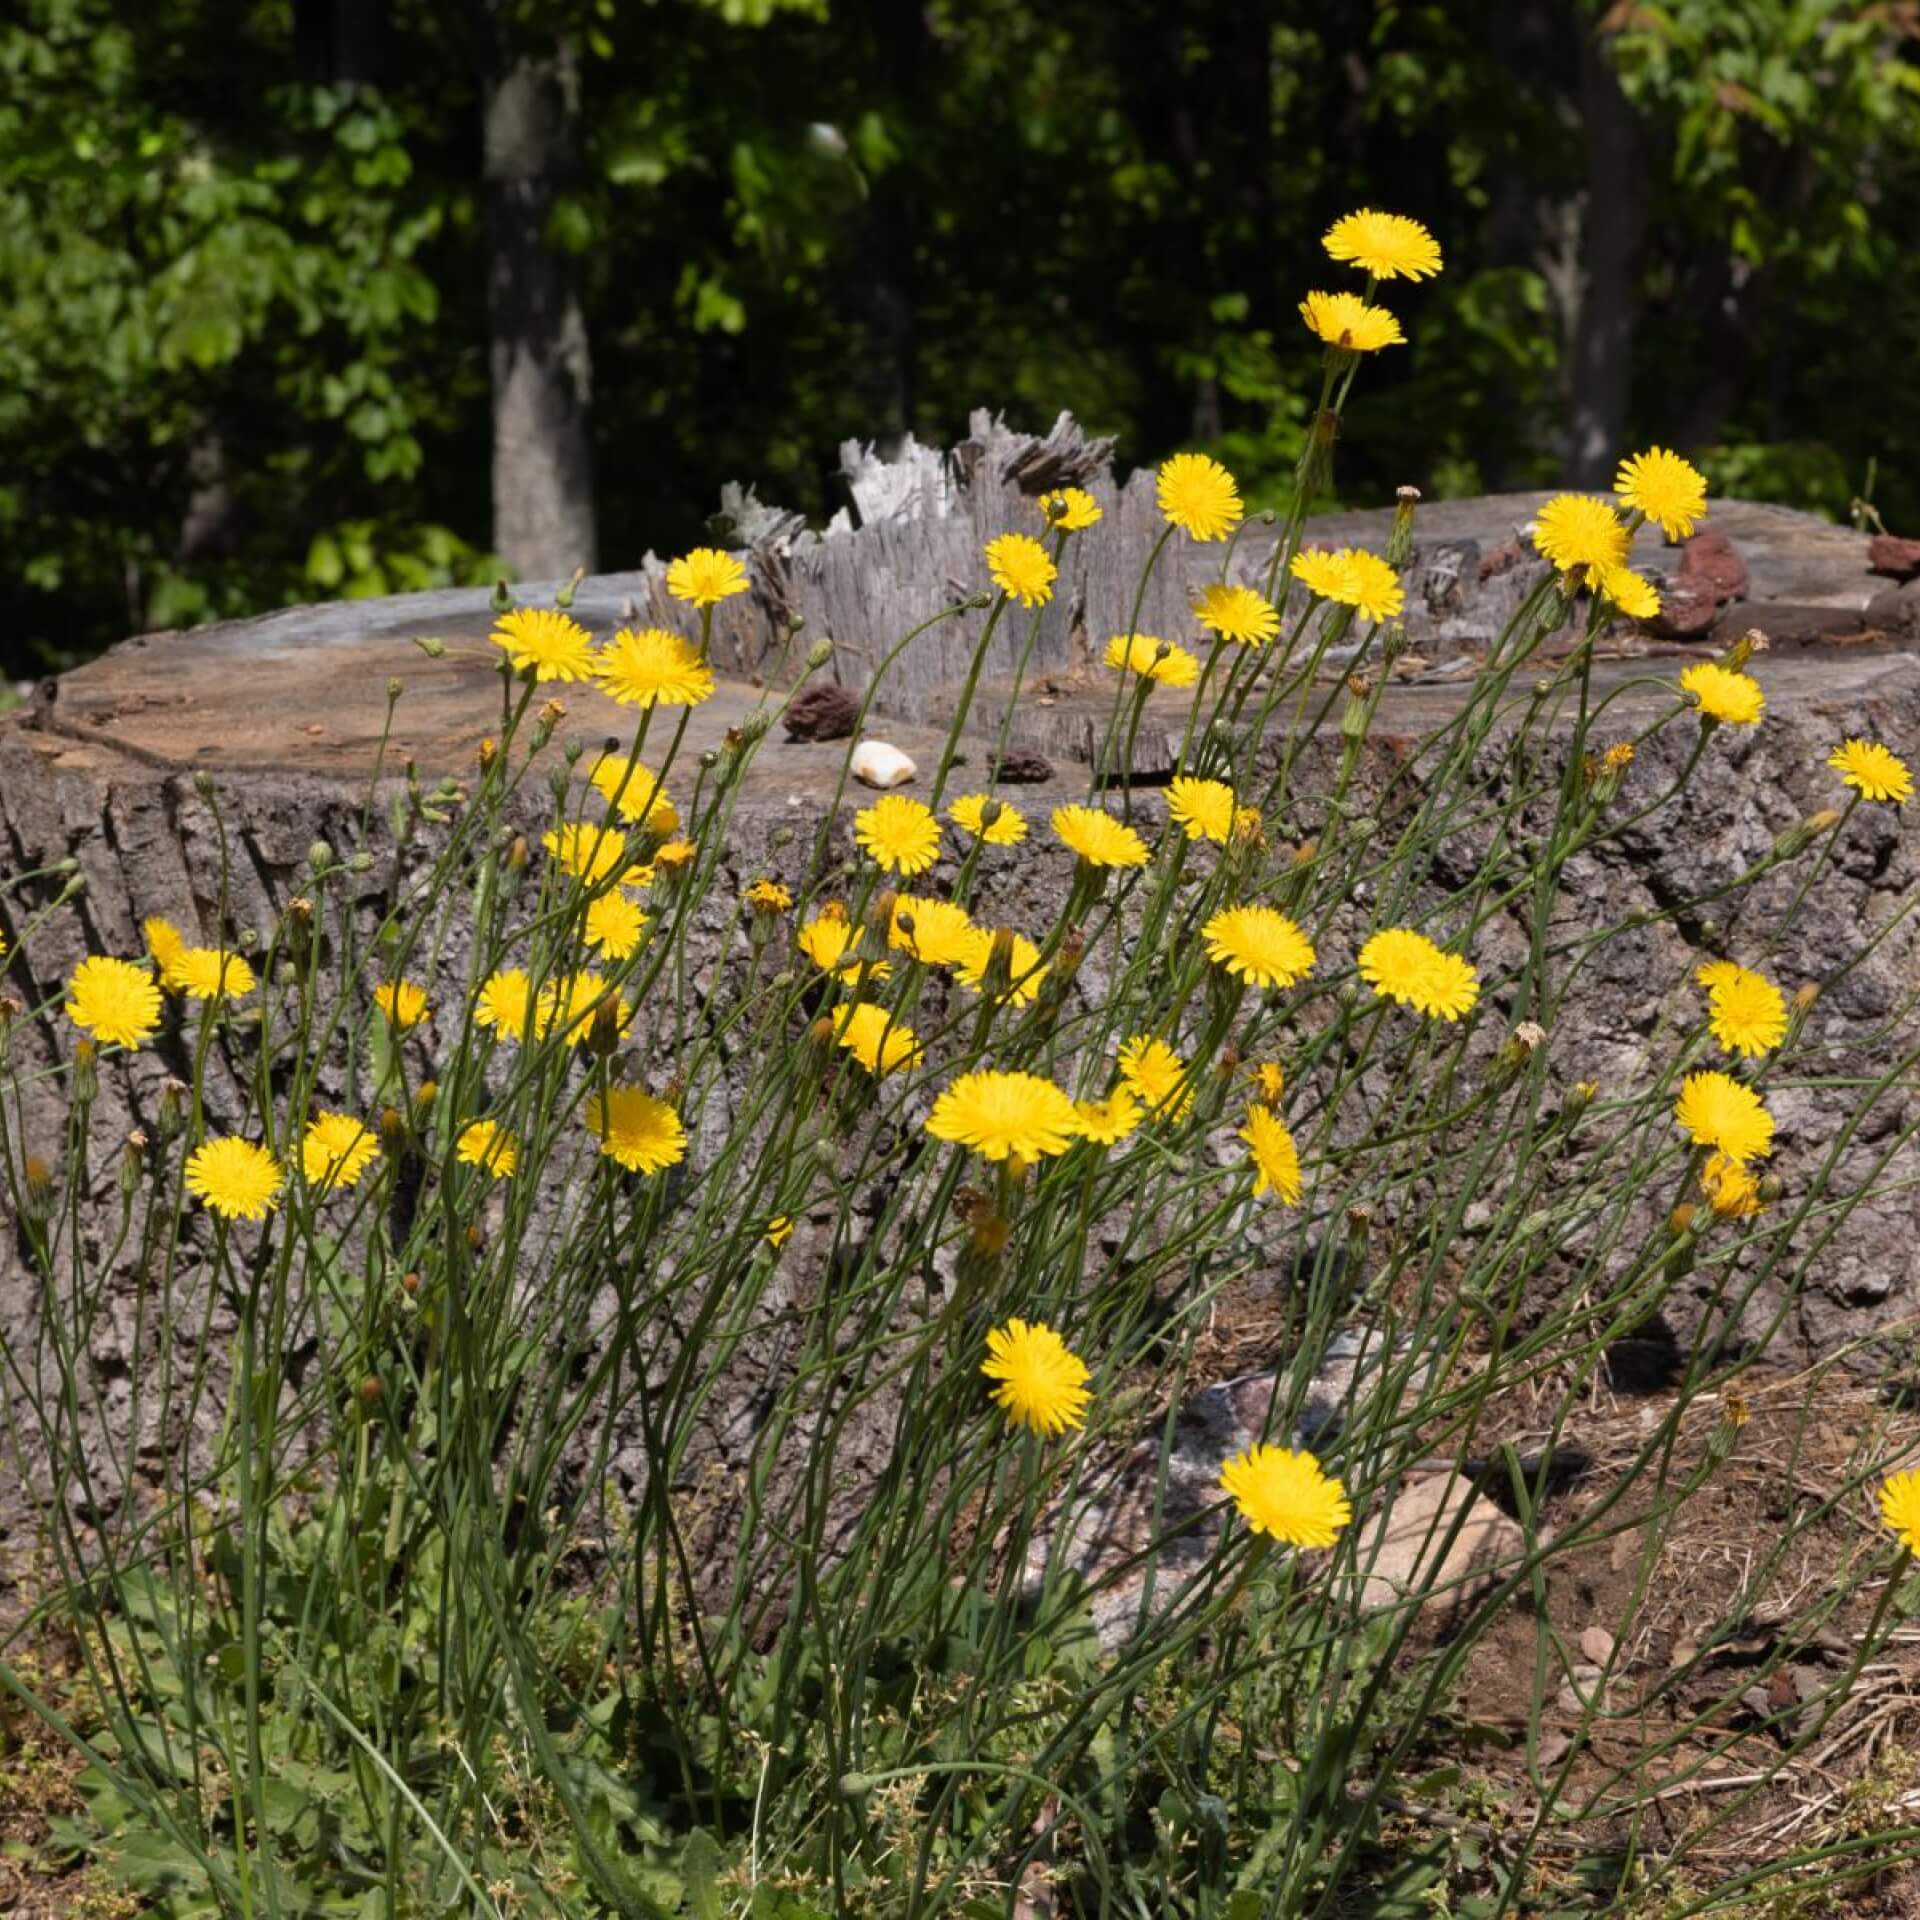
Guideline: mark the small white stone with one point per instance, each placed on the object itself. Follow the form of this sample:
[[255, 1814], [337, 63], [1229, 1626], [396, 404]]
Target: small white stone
[[876, 764]]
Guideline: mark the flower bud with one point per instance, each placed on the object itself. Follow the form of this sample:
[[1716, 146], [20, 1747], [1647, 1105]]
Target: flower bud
[[519, 853], [572, 748], [489, 752], [754, 727], [1577, 1098], [819, 654], [432, 648], [476, 1240], [1751, 642], [37, 1178], [133, 1160], [603, 1030], [393, 1132], [410, 1283], [1400, 540], [172, 1113], [319, 856], [371, 1392], [424, 1095], [557, 784], [501, 598], [86, 1070], [203, 784], [563, 598]]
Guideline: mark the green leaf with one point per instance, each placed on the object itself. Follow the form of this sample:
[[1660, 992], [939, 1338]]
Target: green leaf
[[700, 1864]]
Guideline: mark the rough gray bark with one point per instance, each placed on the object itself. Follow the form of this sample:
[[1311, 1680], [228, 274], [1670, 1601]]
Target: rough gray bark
[[539, 357]]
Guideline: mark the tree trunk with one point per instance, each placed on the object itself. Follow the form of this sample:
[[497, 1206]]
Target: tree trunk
[[542, 386], [1600, 366]]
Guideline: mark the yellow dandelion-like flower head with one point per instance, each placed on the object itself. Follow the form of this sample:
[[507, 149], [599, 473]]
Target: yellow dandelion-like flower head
[[1199, 496], [211, 973], [1375, 591], [404, 1004], [1153, 659], [614, 926], [1156, 1075], [1287, 1496], [1874, 772], [828, 938], [553, 644], [1746, 1012], [592, 854], [505, 1005], [115, 1001], [676, 853], [1717, 1111], [1667, 489], [1634, 595], [1259, 945], [168, 947], [654, 668], [1025, 969], [1731, 1189], [1098, 838], [938, 933], [488, 1145], [875, 1038], [1900, 1508], [641, 801], [642, 1134], [1574, 530], [1345, 320], [1107, 1122], [1022, 568], [1071, 509], [768, 896], [1324, 573], [1007, 827], [706, 576], [1237, 613], [779, 1231], [1042, 1386], [570, 1004], [900, 833], [1407, 967], [1387, 245], [1269, 1081], [1618, 757], [1005, 1116], [1203, 808], [1724, 695], [234, 1178], [336, 1150], [1276, 1160]]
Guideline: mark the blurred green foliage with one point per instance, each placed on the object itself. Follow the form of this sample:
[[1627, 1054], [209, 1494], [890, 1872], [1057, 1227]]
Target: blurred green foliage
[[243, 327]]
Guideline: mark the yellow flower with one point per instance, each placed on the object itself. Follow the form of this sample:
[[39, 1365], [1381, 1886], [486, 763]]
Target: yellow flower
[[554, 645], [1723, 694], [936, 932], [1276, 1160], [1731, 1190], [1618, 757], [1259, 945], [875, 1038], [1199, 496], [1022, 568], [1072, 509], [969, 813], [336, 1150], [1237, 613], [779, 1231], [642, 803], [114, 1000], [1270, 1081], [1323, 573], [1157, 1076], [1406, 966], [1636, 597], [1575, 530], [570, 1004], [505, 1004], [1872, 771], [1107, 1122], [488, 1145], [901, 834], [1719, 1112], [614, 926], [1098, 838], [1005, 1115], [1286, 1495], [1900, 1508], [768, 896], [1025, 970], [1203, 807], [1666, 488], [1745, 1011], [404, 1004], [1387, 245], [1153, 659], [1716, 973], [1345, 320], [830, 942], [1042, 1385], [592, 853], [676, 853], [654, 668], [643, 1134], [235, 1178], [168, 948], [211, 973], [706, 576]]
